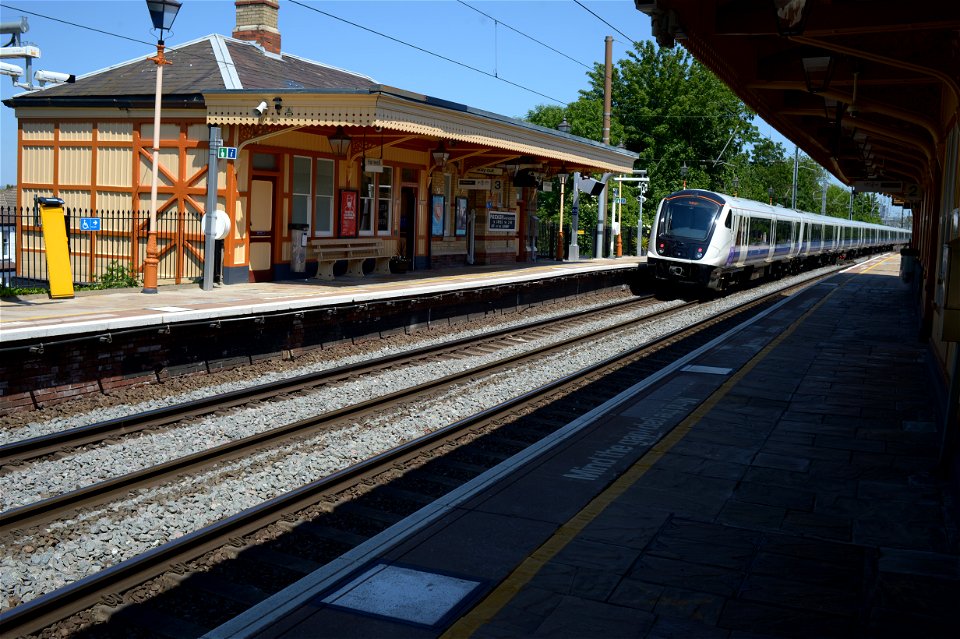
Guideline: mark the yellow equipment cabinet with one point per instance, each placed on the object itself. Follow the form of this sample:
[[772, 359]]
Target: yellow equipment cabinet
[[56, 249]]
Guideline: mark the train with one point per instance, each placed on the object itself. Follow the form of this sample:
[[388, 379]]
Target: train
[[717, 241]]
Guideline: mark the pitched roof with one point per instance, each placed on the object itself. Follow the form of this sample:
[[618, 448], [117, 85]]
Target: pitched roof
[[211, 62]]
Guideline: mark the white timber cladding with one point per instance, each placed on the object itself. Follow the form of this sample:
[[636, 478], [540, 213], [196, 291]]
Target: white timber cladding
[[389, 112]]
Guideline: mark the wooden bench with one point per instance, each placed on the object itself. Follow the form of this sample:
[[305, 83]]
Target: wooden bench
[[354, 251]]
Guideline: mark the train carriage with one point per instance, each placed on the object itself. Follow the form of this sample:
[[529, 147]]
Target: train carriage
[[715, 240]]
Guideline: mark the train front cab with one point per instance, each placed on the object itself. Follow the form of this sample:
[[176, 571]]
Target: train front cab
[[684, 242]]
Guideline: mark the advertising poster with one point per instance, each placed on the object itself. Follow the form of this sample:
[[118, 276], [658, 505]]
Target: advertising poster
[[348, 213], [436, 215], [460, 222]]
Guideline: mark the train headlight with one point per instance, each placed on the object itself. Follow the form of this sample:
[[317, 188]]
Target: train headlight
[[660, 248], [699, 252]]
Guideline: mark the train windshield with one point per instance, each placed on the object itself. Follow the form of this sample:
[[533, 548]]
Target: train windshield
[[688, 216]]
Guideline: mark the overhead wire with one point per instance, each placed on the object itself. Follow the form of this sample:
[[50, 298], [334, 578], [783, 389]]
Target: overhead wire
[[525, 35], [427, 51], [494, 76]]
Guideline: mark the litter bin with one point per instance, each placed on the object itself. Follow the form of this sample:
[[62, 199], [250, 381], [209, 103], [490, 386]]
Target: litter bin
[[298, 247]]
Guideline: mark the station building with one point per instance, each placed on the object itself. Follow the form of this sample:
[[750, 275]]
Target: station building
[[323, 156]]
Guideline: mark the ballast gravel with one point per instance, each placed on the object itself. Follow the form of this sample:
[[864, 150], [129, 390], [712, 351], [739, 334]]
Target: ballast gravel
[[41, 561]]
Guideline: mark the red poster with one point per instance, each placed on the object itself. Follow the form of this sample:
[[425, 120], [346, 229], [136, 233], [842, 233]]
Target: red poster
[[348, 213]]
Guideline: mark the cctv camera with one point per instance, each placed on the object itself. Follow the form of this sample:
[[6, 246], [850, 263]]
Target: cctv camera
[[15, 28], [53, 77], [10, 69], [261, 109]]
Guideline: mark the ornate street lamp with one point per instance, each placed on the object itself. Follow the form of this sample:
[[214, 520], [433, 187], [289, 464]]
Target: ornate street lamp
[[162, 13], [440, 155], [339, 143], [562, 176], [770, 193], [736, 186], [683, 174]]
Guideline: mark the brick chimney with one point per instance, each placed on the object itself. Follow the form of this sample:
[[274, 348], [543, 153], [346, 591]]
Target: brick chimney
[[257, 21]]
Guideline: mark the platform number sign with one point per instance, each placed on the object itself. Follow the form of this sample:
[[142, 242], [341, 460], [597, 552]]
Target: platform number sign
[[227, 153], [89, 223]]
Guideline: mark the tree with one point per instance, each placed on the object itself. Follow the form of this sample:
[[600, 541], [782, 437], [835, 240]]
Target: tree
[[670, 110]]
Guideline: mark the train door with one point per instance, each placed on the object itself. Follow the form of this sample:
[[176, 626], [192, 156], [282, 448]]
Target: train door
[[737, 231], [262, 194]]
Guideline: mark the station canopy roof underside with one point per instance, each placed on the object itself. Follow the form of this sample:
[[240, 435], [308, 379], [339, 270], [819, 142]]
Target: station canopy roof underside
[[866, 88]]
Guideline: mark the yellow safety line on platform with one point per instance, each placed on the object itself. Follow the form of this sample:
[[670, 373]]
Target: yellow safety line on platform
[[492, 604]]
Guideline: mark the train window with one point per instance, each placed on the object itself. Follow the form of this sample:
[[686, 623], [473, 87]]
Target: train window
[[759, 231], [729, 221], [830, 233], [688, 217], [784, 232], [816, 232]]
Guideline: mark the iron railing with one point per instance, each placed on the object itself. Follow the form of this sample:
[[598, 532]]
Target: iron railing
[[115, 251], [547, 241]]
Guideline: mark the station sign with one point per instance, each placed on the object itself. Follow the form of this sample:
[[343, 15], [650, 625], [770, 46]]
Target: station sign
[[373, 165], [489, 170], [227, 153], [877, 186], [475, 185], [89, 223]]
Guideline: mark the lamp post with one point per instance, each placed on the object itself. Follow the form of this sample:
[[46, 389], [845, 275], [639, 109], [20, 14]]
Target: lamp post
[[770, 193], [683, 174], [162, 13], [574, 255], [736, 186], [560, 245]]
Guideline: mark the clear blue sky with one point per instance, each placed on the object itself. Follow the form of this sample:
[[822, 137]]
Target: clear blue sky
[[447, 28]]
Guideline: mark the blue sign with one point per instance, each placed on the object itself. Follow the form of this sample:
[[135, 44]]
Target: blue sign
[[227, 153], [89, 223]]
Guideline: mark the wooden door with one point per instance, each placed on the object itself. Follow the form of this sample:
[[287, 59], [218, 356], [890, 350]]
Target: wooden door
[[261, 229]]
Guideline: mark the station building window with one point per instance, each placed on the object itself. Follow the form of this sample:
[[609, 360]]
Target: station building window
[[264, 161], [313, 188], [323, 201], [302, 192], [376, 201]]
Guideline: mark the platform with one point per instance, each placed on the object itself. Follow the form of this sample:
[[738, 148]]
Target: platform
[[39, 317], [776, 483]]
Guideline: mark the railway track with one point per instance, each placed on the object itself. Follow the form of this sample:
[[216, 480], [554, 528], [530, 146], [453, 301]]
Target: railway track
[[63, 506], [267, 547], [65, 441]]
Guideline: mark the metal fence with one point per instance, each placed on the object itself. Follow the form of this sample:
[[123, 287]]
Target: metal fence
[[116, 250], [547, 241]]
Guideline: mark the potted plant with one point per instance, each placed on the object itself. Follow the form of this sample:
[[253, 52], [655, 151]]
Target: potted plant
[[399, 264]]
